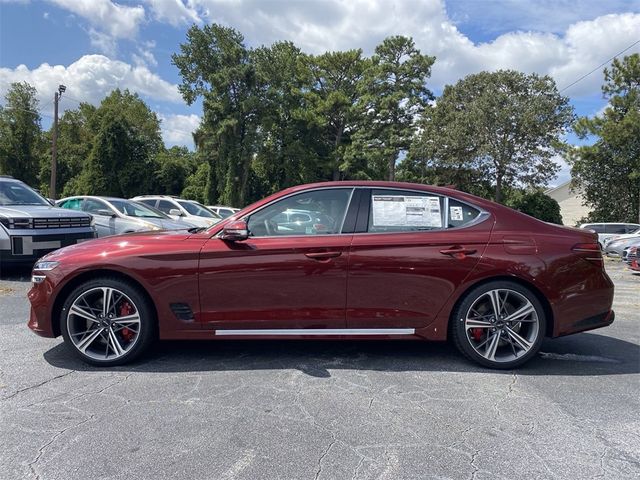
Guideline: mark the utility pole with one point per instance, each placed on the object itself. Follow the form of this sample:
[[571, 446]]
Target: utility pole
[[54, 142]]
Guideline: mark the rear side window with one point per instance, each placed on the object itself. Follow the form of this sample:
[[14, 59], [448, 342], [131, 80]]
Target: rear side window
[[616, 228], [405, 211], [460, 214]]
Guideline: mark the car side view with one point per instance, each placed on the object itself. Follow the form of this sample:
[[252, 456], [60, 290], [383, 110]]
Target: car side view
[[369, 260]]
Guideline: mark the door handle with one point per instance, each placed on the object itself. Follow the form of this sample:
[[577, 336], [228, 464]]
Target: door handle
[[458, 251], [322, 255]]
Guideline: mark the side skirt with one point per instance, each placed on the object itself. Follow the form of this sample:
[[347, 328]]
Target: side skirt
[[317, 331]]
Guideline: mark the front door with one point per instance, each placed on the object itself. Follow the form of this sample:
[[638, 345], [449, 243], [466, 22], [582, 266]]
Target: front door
[[412, 252], [291, 273]]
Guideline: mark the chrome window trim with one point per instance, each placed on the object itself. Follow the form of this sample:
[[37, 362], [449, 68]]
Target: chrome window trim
[[344, 217]]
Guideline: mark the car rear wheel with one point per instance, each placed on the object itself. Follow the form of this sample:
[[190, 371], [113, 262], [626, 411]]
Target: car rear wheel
[[107, 321], [499, 324]]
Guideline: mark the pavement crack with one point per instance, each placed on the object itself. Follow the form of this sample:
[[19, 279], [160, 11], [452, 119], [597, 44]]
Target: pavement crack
[[32, 464], [474, 456], [38, 385], [324, 454]]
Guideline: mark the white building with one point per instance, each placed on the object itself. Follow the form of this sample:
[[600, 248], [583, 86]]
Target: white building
[[570, 201]]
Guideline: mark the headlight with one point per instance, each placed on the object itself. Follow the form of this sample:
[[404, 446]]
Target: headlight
[[44, 265]]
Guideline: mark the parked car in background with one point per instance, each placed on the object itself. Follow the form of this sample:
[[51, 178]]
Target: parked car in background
[[114, 216], [625, 252], [31, 227], [224, 212], [389, 261], [633, 258], [179, 208], [614, 246], [634, 233], [606, 230]]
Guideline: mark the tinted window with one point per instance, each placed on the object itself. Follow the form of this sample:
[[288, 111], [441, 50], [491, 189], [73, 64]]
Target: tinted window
[[165, 206], [319, 212], [72, 204], [595, 227], [460, 213], [147, 201], [617, 228], [224, 213], [198, 210], [135, 209], [405, 211], [15, 193], [92, 206]]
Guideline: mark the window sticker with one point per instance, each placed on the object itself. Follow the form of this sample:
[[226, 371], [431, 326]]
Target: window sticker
[[406, 211], [455, 213]]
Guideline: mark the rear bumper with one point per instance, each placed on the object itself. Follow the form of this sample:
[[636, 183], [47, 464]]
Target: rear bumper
[[590, 323]]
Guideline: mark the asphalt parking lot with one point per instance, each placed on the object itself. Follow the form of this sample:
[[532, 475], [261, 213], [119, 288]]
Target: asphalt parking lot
[[331, 410]]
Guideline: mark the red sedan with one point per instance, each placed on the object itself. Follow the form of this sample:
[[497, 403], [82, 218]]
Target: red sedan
[[340, 260]]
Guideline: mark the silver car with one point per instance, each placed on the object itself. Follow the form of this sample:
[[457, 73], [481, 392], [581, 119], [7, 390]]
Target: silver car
[[616, 246], [114, 216], [31, 227], [179, 208]]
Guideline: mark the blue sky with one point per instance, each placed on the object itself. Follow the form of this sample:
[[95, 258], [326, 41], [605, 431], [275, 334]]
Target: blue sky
[[93, 46]]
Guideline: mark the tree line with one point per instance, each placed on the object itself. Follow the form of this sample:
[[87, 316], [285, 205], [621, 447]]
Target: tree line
[[275, 116]]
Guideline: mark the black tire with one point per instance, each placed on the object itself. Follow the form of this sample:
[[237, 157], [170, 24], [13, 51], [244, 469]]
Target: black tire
[[462, 340], [147, 321]]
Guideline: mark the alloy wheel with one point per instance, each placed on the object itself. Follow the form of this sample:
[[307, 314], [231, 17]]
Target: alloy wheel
[[502, 325], [103, 323]]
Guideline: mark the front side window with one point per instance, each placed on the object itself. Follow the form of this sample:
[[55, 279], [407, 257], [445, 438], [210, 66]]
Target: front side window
[[95, 207], [135, 209], [166, 206], [318, 212]]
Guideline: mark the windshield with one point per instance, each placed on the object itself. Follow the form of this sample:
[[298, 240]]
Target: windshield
[[135, 209], [199, 210], [15, 193]]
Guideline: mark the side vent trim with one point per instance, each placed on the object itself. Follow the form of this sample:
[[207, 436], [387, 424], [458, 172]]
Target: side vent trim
[[182, 311]]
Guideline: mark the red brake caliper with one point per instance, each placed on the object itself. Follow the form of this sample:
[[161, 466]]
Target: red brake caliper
[[125, 309], [476, 333]]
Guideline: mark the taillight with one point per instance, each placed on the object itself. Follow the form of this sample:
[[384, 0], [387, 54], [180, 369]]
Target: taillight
[[589, 251]]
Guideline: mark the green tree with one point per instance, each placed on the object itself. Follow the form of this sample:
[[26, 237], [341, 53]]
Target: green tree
[[500, 129], [215, 64], [125, 142], [174, 166], [393, 96], [196, 184], [21, 140], [333, 106], [537, 204], [608, 171]]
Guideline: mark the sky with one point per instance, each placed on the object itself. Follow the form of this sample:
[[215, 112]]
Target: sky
[[94, 46]]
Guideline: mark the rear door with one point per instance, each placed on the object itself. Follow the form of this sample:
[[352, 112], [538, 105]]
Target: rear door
[[410, 252]]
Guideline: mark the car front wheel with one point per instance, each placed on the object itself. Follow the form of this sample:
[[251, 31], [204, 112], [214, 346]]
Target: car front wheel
[[500, 324], [107, 321]]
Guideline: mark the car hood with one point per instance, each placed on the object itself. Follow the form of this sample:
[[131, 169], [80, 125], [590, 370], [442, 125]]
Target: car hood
[[39, 211], [121, 244]]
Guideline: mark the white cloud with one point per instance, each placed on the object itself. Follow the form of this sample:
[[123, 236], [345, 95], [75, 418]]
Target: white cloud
[[175, 12], [178, 129], [103, 42], [89, 79], [119, 21], [342, 24]]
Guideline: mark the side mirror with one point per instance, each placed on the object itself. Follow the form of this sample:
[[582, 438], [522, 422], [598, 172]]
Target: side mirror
[[105, 213], [175, 212], [235, 231]]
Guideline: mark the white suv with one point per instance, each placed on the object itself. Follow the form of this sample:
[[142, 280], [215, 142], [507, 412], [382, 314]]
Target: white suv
[[179, 208], [607, 230]]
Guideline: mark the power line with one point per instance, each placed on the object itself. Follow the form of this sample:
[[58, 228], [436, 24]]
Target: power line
[[27, 110], [600, 66]]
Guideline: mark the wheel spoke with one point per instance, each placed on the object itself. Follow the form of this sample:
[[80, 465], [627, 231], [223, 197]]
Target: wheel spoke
[[115, 343], [89, 339], [107, 298], [477, 323], [494, 295], [520, 314], [76, 310], [127, 320], [518, 339], [492, 347]]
